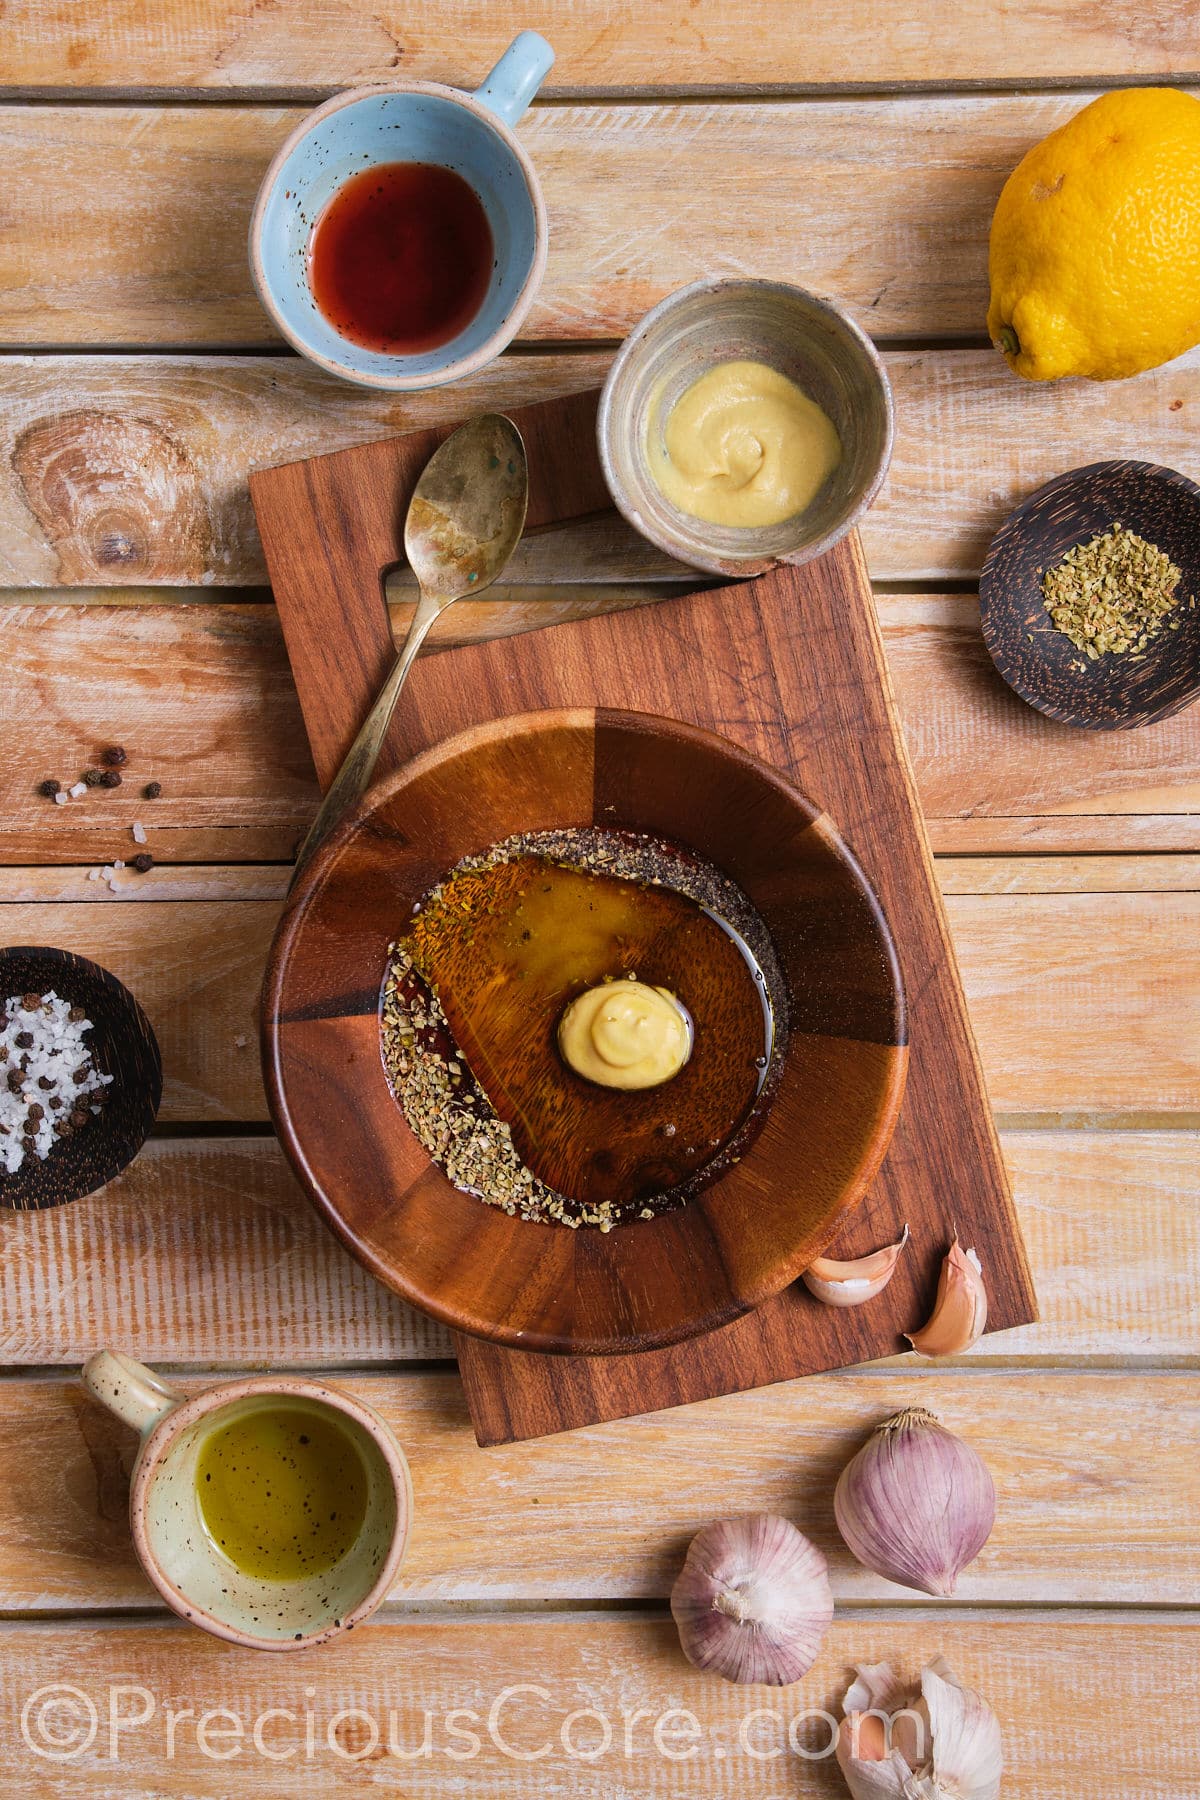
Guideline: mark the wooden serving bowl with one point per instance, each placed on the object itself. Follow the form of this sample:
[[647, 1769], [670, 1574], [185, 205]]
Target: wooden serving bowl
[[547, 1287]]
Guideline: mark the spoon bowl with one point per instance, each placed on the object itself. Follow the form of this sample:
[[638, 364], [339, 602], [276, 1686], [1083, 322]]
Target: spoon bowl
[[1116, 692]]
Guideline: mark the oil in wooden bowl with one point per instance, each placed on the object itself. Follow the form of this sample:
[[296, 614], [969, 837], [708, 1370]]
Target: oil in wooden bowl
[[495, 956]]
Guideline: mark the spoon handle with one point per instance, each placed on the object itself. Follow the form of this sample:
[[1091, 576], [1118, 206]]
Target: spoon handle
[[354, 777]]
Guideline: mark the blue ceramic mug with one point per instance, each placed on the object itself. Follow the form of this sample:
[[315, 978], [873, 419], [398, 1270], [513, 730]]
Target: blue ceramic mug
[[423, 122]]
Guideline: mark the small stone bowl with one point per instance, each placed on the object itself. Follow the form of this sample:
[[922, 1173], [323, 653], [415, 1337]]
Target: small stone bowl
[[812, 342], [122, 1044]]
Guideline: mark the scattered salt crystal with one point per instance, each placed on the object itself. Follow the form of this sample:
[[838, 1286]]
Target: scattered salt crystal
[[117, 863], [78, 791], [61, 798], [139, 832], [94, 874], [240, 1041]]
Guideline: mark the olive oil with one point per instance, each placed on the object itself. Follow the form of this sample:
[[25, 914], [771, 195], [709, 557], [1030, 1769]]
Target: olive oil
[[282, 1491], [507, 945]]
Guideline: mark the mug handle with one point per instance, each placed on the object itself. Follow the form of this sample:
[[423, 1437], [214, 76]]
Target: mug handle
[[129, 1389], [517, 77]]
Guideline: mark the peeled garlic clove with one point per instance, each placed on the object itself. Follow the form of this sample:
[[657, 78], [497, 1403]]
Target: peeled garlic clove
[[941, 1742], [916, 1504], [960, 1309], [752, 1602], [850, 1283]]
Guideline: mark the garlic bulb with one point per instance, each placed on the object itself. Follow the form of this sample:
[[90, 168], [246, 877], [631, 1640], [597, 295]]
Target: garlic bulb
[[941, 1742], [752, 1602], [959, 1310], [850, 1283], [916, 1504]]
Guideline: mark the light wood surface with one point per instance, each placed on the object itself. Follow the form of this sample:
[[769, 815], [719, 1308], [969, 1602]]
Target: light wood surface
[[1059, 1681], [222, 44], [856, 148], [183, 432], [883, 202], [224, 1262]]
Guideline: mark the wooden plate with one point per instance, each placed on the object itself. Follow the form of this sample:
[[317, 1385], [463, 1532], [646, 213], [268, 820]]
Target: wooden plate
[[122, 1044], [545, 1287], [1040, 662]]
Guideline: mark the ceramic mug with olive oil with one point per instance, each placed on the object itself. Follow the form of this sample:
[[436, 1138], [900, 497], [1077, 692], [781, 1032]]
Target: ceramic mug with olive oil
[[272, 1511]]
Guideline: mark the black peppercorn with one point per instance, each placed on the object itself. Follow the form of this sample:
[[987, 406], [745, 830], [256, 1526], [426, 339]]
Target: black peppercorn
[[78, 1120], [143, 863], [79, 1077], [30, 1002], [152, 790], [36, 1111], [76, 1013], [28, 1144], [15, 1084], [55, 1103], [110, 779], [45, 1083], [93, 777], [114, 756], [24, 1040], [49, 788]]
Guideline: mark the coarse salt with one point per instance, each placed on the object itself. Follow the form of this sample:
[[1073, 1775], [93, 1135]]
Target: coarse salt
[[61, 798], [46, 1072], [78, 790], [139, 832]]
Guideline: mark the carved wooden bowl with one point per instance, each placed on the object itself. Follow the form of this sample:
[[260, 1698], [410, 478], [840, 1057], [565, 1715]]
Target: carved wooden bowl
[[542, 1286]]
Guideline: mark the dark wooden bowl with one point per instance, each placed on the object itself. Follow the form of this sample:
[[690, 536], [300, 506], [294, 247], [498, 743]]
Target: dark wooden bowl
[[123, 1044], [1037, 660], [546, 1287]]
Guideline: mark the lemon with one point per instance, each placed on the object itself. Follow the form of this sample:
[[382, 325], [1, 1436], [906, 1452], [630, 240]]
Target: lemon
[[1095, 248]]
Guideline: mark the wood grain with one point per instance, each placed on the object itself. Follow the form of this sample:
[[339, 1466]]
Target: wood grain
[[885, 203], [1093, 1474], [1104, 1676], [183, 432], [1047, 977], [206, 1251], [225, 45], [237, 777]]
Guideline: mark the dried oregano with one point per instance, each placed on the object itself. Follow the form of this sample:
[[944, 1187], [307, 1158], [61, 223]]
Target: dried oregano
[[1111, 594]]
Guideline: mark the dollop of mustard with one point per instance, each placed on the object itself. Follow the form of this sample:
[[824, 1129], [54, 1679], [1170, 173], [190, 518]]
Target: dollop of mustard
[[625, 1034], [742, 446]]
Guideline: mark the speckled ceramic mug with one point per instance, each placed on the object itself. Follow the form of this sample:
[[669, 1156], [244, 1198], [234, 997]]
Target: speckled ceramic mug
[[416, 121], [178, 1555]]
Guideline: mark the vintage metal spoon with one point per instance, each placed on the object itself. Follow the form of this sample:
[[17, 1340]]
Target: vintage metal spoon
[[464, 521]]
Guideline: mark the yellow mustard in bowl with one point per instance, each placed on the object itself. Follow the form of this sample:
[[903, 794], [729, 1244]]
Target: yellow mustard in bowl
[[625, 1034], [742, 446]]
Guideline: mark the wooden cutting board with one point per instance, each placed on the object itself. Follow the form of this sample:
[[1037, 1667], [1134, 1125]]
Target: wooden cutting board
[[790, 666]]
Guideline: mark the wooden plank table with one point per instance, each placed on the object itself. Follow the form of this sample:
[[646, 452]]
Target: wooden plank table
[[857, 151]]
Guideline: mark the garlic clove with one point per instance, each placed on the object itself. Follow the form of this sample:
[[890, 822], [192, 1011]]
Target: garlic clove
[[938, 1742], [959, 1310], [850, 1283], [916, 1504], [752, 1601]]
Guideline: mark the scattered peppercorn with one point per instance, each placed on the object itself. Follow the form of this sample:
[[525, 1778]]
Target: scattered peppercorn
[[110, 779], [93, 777], [49, 787], [143, 863], [152, 790], [114, 756]]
